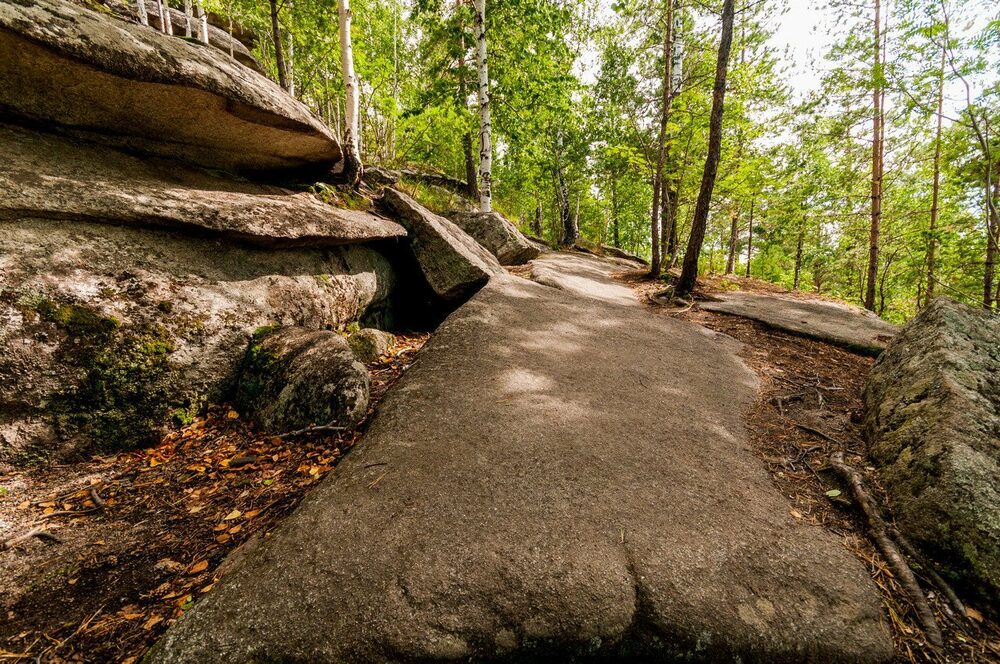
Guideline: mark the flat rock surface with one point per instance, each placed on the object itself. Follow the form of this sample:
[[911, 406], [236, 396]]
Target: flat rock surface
[[134, 86], [558, 477], [43, 175], [841, 324]]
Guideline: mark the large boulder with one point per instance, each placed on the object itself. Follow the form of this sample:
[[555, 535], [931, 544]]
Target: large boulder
[[498, 235], [369, 344], [294, 377], [454, 264], [932, 410], [46, 176], [133, 86], [108, 333]]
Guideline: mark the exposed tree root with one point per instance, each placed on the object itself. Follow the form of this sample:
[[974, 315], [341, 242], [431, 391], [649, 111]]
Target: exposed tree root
[[880, 536]]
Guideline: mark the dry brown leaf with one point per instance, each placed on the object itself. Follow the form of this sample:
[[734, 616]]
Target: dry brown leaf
[[152, 622], [975, 615], [199, 566], [235, 514]]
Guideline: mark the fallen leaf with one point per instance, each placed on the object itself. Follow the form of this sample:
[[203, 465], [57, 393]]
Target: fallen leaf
[[72, 582], [195, 509], [797, 514], [251, 514], [235, 529], [233, 415], [221, 526], [199, 566], [975, 615], [833, 493], [207, 588], [223, 538], [152, 622], [235, 514]]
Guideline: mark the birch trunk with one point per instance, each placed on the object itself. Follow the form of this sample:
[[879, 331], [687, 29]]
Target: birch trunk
[[485, 142], [143, 16], [187, 18], [352, 156], [202, 23]]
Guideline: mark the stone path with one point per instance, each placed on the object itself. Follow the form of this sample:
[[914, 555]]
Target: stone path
[[833, 322], [560, 476]]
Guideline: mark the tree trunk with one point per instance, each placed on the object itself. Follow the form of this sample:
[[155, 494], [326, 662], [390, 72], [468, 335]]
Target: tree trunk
[[536, 227], [143, 16], [658, 189], [616, 240], [750, 237], [279, 54], [798, 255], [352, 155], [992, 238], [291, 62], [689, 274], [569, 230], [471, 185], [672, 243], [485, 140], [202, 23], [734, 233], [187, 18], [877, 153], [936, 191], [471, 174]]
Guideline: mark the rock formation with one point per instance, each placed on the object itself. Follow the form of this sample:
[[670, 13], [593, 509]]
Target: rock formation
[[932, 410], [497, 234], [294, 377], [454, 264]]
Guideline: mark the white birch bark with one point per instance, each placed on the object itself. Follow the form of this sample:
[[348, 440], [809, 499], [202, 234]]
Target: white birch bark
[[485, 142], [164, 12], [203, 23], [143, 16], [352, 156], [187, 18]]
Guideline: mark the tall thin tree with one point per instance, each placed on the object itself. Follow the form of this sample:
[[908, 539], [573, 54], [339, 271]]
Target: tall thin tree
[[658, 221], [485, 139], [279, 53], [689, 273], [352, 154], [936, 189], [878, 153]]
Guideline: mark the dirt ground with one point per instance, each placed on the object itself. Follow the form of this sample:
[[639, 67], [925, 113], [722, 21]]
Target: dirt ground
[[125, 544], [810, 407]]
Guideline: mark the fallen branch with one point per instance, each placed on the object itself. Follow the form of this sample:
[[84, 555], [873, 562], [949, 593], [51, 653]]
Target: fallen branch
[[37, 531], [312, 431], [52, 515], [880, 536], [817, 432]]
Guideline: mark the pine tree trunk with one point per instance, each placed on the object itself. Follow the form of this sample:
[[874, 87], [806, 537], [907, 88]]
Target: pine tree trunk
[[352, 156], [672, 242], [279, 54], [750, 237], [485, 139], [658, 189], [734, 234], [877, 153], [936, 192], [689, 273], [798, 255]]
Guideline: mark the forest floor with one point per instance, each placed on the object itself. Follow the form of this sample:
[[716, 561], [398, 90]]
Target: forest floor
[[810, 407], [135, 537]]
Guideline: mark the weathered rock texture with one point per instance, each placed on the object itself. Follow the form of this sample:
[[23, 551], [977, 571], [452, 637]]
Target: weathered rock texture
[[294, 377], [43, 175], [132, 86], [538, 488], [932, 410], [108, 333], [497, 234], [370, 344], [454, 264], [837, 323]]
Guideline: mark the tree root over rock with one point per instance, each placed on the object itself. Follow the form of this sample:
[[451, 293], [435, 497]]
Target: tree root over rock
[[880, 536]]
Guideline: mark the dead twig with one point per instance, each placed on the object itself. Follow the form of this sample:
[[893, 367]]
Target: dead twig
[[96, 498], [37, 531], [312, 431], [52, 515], [880, 536], [817, 432]]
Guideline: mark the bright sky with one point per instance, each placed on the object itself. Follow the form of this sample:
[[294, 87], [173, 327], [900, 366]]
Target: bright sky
[[804, 34]]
